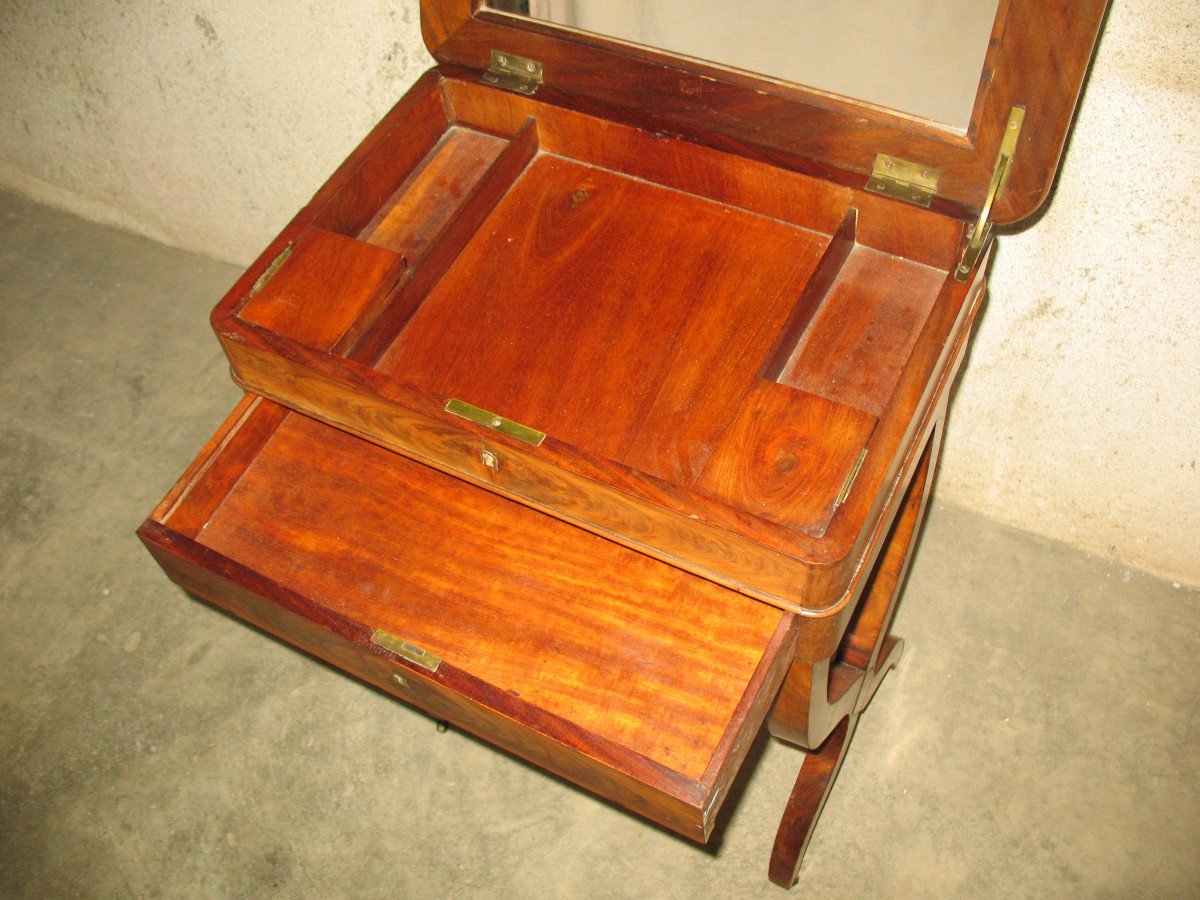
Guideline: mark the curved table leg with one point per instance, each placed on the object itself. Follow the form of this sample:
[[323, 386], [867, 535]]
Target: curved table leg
[[820, 703], [809, 794], [817, 774]]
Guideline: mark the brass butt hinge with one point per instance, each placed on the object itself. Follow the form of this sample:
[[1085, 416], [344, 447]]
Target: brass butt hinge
[[514, 73], [981, 231], [903, 180], [270, 271], [850, 479]]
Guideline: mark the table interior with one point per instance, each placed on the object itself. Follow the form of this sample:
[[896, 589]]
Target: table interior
[[645, 303]]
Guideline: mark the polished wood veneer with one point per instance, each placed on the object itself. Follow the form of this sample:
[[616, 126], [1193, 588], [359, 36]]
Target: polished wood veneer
[[655, 308], [728, 360], [569, 314], [322, 538], [1037, 58]]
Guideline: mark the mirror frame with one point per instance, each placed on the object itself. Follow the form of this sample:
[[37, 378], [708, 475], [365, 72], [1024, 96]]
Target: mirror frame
[[1037, 58]]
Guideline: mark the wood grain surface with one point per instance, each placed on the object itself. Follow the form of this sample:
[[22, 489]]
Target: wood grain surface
[[423, 205], [325, 285], [573, 311], [1038, 58], [787, 455], [555, 620], [632, 316], [672, 269], [861, 337]]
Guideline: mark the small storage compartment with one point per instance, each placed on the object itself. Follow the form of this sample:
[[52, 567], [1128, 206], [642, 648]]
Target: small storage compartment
[[555, 644], [703, 345]]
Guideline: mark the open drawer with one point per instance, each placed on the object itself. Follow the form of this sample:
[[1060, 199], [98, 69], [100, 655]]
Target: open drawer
[[555, 644]]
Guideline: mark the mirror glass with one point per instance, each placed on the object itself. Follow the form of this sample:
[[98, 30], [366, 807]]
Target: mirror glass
[[922, 57]]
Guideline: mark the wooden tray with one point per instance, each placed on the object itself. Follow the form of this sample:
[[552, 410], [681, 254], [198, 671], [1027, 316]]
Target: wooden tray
[[479, 610], [683, 306], [724, 361]]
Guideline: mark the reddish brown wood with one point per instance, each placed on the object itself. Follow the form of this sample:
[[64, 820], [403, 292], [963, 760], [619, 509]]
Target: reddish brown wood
[[842, 243], [820, 690], [729, 178], [370, 177], [1038, 60], [817, 774], [862, 646], [409, 221], [322, 538], [552, 298], [805, 803], [786, 456], [326, 285], [569, 313], [819, 705], [860, 340], [673, 270], [218, 467], [461, 222]]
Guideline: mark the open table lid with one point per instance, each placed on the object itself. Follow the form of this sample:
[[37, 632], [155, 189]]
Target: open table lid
[[1036, 61]]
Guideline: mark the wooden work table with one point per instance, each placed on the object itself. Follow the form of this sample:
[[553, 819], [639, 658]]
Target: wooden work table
[[595, 401]]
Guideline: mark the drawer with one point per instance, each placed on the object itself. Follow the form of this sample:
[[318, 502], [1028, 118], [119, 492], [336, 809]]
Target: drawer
[[551, 642]]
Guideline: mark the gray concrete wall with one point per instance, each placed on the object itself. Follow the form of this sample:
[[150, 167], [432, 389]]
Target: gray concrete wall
[[207, 126]]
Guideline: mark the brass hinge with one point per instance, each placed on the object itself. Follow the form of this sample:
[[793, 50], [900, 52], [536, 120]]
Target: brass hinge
[[514, 73], [981, 231], [405, 650], [271, 270], [903, 180], [850, 479]]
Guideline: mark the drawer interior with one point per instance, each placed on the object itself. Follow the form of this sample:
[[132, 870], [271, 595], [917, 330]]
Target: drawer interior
[[575, 639]]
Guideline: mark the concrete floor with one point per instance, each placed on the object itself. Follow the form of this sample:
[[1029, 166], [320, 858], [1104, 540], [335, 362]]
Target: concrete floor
[[1039, 738]]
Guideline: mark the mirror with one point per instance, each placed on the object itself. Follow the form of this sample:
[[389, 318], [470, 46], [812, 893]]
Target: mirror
[[921, 57]]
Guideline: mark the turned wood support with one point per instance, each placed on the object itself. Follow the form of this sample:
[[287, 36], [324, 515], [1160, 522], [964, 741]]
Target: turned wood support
[[820, 702]]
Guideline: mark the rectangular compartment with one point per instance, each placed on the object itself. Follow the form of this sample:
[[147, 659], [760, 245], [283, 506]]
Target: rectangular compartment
[[539, 637], [633, 300]]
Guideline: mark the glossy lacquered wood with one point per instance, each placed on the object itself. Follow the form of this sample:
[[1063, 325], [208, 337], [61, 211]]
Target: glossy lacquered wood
[[740, 360], [819, 705], [1037, 59], [322, 538], [711, 345]]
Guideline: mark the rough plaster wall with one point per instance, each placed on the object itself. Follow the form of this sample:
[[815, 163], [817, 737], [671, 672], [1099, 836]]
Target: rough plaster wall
[[1079, 413], [207, 124]]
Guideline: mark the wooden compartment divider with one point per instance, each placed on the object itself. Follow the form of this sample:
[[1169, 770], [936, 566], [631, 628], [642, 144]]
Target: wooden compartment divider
[[377, 169], [444, 248], [840, 246], [431, 195]]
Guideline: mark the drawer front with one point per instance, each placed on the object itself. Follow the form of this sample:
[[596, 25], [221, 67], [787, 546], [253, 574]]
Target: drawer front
[[449, 695]]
